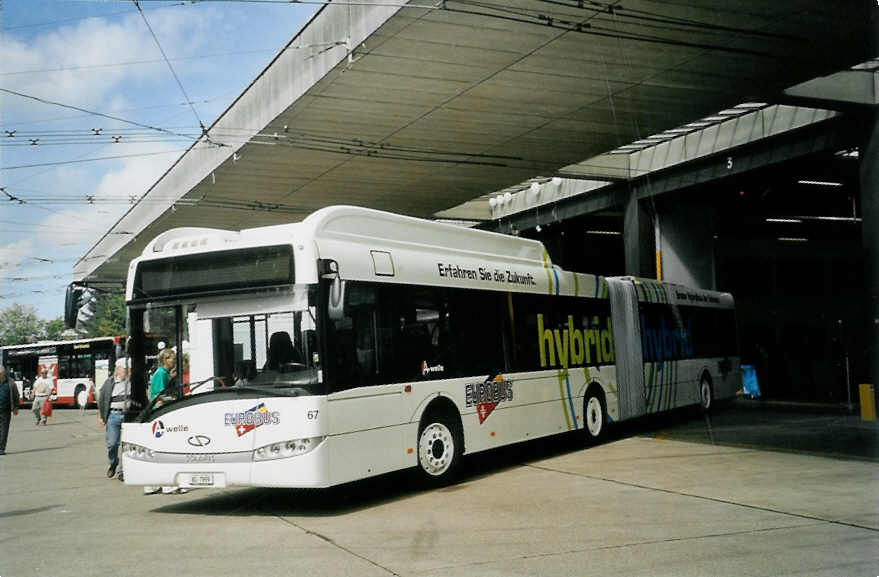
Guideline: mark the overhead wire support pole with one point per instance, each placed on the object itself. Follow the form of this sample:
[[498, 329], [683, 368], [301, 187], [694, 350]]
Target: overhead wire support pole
[[204, 131]]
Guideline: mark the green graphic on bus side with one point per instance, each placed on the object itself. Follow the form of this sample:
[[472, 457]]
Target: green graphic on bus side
[[569, 346]]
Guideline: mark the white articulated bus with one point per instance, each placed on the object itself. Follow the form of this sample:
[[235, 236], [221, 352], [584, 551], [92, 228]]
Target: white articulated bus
[[358, 342]]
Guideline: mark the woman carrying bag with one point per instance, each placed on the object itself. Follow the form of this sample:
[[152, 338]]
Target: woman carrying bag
[[42, 390]]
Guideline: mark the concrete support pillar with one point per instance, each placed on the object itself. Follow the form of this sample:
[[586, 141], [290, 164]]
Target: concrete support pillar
[[638, 238], [869, 183], [686, 242]]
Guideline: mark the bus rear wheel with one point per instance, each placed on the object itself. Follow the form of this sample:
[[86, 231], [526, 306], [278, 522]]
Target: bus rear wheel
[[80, 397], [594, 416], [440, 449], [706, 394]]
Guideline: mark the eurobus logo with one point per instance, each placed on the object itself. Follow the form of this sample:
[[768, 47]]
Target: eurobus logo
[[252, 418], [158, 429], [488, 395]]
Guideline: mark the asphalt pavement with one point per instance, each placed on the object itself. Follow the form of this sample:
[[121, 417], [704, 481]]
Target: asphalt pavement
[[751, 491]]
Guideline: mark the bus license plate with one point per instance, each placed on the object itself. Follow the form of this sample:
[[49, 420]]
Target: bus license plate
[[201, 479]]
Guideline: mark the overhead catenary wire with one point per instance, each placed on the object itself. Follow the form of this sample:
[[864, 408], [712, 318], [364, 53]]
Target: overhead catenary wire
[[136, 109], [547, 19], [544, 20], [95, 159], [204, 130], [620, 11], [35, 228], [261, 137], [378, 3], [94, 113], [61, 141], [136, 62], [76, 18]]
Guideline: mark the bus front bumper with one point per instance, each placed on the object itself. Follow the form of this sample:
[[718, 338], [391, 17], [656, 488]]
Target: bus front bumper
[[207, 470]]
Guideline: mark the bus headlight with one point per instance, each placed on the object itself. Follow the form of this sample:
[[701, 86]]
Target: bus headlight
[[284, 449], [138, 452]]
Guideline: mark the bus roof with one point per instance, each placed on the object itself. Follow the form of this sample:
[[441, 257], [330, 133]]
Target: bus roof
[[373, 245], [40, 344], [368, 226]]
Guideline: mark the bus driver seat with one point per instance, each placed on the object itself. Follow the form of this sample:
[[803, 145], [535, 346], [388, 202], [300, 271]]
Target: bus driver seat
[[281, 352]]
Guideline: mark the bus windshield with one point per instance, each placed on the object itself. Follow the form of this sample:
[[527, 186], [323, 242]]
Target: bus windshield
[[271, 346], [277, 350]]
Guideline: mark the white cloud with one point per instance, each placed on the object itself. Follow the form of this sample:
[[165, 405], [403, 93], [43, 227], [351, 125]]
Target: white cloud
[[13, 254], [89, 42], [97, 41]]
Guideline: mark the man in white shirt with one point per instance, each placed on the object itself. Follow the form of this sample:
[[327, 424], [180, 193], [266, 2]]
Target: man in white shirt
[[42, 390]]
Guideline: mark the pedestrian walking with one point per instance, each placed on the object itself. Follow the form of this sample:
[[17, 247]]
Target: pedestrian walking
[[42, 391], [8, 406], [112, 399]]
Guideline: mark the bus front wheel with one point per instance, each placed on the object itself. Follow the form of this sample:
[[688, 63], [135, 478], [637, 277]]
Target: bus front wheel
[[594, 416], [440, 447]]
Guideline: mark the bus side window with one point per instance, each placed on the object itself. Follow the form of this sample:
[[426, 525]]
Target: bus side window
[[64, 367], [477, 328], [418, 313], [352, 339]]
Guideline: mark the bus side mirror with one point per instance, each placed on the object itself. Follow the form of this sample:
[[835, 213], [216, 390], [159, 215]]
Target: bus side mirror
[[71, 305], [336, 302]]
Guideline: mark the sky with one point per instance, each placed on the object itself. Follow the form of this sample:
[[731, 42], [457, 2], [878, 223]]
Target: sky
[[100, 56]]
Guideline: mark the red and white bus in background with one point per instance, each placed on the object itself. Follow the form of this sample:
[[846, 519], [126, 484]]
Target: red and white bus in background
[[74, 365]]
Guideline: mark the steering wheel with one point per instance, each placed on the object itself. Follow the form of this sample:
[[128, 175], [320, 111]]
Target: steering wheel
[[291, 366]]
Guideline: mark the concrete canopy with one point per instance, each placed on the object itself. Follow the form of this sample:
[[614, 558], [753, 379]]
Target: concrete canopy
[[417, 109]]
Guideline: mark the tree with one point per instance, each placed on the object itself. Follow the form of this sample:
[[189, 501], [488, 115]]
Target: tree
[[109, 316], [53, 329], [19, 324]]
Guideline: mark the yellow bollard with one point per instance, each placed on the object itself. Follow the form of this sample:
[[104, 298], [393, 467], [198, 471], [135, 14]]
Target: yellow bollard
[[868, 403]]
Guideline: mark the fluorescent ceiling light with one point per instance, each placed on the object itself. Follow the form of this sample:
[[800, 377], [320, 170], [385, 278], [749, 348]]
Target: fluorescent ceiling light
[[751, 105], [792, 239], [607, 232], [832, 218], [788, 220], [458, 222], [714, 118], [849, 153], [698, 124], [731, 112], [819, 182]]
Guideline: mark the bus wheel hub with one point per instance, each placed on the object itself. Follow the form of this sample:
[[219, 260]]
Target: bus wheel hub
[[436, 448]]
